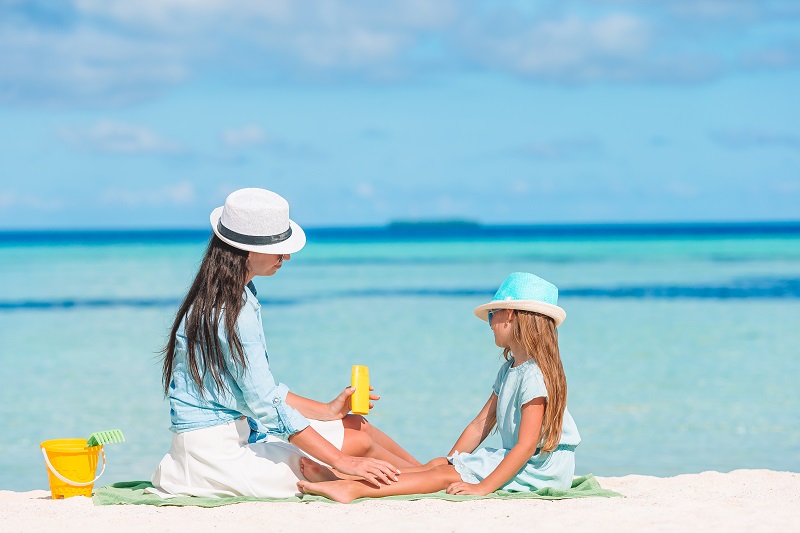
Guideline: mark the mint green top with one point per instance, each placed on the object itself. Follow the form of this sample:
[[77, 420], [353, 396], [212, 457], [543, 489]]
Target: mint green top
[[514, 387]]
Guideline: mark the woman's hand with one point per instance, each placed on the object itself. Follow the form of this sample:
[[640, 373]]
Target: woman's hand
[[340, 406], [464, 488], [374, 471]]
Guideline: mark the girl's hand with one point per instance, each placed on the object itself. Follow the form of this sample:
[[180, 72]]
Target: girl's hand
[[340, 406], [463, 488], [374, 471]]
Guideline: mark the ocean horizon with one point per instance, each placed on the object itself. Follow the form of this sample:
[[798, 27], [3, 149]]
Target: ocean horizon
[[431, 229]]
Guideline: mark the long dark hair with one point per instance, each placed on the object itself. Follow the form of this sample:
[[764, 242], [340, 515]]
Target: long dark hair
[[216, 289], [538, 335]]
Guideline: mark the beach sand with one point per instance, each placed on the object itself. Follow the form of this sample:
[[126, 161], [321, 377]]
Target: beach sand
[[742, 500]]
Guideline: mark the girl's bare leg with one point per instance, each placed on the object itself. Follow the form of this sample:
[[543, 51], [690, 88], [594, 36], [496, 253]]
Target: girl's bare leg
[[430, 465], [315, 472], [383, 445], [345, 491]]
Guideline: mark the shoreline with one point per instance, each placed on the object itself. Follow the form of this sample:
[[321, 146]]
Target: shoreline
[[741, 500]]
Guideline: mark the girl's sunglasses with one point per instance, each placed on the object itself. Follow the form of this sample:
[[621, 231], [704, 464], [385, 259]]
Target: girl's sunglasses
[[491, 314]]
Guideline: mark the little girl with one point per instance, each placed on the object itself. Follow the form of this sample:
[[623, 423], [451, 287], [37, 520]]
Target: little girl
[[528, 405]]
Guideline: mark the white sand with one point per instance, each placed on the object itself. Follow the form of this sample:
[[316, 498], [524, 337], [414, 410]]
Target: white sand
[[743, 500]]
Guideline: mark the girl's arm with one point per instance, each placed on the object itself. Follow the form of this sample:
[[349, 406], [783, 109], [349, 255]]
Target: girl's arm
[[530, 427], [478, 429]]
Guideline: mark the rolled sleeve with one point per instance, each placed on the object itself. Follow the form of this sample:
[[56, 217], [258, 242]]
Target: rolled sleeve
[[264, 398], [292, 420]]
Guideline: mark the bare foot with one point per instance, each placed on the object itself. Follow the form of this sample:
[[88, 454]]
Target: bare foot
[[315, 472], [338, 491]]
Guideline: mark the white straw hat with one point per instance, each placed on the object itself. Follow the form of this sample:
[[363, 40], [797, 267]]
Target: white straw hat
[[257, 220]]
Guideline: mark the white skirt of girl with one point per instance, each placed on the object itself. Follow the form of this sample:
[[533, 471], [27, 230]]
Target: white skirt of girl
[[219, 462]]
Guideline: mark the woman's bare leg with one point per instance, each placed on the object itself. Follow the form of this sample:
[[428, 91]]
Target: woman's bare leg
[[360, 444], [345, 491], [382, 447], [313, 471]]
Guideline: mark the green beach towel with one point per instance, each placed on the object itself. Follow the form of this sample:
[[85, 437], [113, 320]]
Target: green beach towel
[[133, 493]]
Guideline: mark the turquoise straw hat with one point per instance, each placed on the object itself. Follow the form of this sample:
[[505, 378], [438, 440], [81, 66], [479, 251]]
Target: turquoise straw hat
[[525, 292]]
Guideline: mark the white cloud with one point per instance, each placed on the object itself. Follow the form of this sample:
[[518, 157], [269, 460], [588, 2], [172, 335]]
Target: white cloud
[[786, 186], [715, 9], [112, 52], [733, 10], [533, 186], [782, 56], [520, 187], [251, 135], [739, 139], [560, 149], [118, 138], [181, 193], [681, 189], [365, 190], [13, 200], [565, 49], [310, 34], [91, 66]]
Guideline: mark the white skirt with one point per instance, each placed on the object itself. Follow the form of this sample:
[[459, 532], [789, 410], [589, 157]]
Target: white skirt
[[218, 462]]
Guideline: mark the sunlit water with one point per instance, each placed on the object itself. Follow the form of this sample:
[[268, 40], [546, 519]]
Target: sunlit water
[[681, 354]]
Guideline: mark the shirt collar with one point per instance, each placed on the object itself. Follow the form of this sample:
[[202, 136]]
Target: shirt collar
[[252, 287]]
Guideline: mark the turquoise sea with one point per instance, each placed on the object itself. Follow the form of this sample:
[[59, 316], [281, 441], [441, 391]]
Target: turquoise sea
[[681, 343]]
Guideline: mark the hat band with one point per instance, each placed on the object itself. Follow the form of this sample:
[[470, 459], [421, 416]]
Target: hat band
[[257, 240]]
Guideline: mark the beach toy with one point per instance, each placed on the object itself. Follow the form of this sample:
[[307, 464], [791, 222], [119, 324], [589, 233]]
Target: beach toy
[[71, 466], [110, 436], [72, 463], [359, 401]]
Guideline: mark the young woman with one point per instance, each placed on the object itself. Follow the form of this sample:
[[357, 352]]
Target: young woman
[[236, 430]]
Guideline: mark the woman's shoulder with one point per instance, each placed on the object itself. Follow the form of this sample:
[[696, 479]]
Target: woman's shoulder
[[248, 319]]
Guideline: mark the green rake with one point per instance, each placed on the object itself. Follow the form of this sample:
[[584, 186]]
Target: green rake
[[98, 438]]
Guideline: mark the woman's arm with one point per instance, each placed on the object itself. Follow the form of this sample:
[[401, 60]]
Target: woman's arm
[[311, 408], [335, 409], [478, 429], [529, 429]]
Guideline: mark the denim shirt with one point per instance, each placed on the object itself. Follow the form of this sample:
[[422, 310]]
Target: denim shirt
[[251, 392]]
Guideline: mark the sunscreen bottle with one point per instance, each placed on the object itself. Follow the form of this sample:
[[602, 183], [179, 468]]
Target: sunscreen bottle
[[359, 401]]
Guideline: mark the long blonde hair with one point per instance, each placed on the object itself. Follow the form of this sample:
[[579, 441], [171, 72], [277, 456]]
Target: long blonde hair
[[538, 335]]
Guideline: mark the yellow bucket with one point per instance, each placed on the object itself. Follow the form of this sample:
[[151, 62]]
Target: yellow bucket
[[71, 466]]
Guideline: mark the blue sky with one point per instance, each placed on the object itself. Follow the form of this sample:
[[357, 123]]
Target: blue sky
[[115, 113]]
